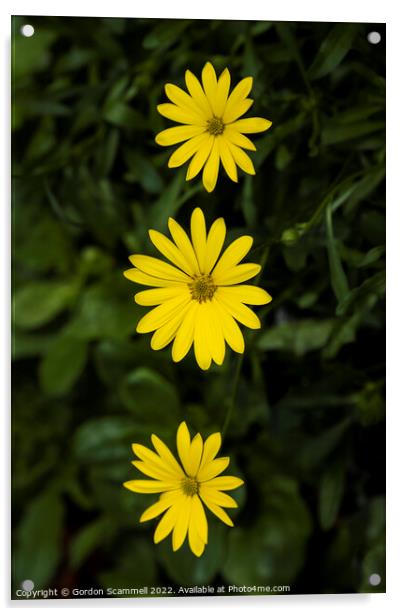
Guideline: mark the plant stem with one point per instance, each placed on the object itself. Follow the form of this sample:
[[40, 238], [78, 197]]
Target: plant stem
[[240, 359]]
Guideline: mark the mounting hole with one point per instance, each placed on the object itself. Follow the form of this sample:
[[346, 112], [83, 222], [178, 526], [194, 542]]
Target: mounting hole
[[375, 579], [28, 585], [374, 37], [27, 30]]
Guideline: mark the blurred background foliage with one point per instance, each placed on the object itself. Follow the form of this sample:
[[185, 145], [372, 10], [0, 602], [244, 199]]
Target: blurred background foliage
[[307, 430]]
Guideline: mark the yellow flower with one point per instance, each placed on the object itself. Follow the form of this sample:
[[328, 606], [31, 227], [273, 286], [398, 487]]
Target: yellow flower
[[198, 299], [184, 487], [211, 129]]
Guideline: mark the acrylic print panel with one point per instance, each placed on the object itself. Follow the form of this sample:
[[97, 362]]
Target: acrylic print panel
[[198, 307]]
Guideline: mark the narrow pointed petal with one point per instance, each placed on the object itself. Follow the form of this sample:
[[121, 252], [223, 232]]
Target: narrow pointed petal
[[183, 445], [185, 334], [227, 159], [252, 125], [177, 134], [233, 254], [210, 84], [199, 236], [199, 158], [215, 241], [211, 168], [222, 92], [236, 111], [182, 154], [197, 93], [178, 114], [230, 329], [242, 159]]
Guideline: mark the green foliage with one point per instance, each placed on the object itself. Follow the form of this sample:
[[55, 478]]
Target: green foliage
[[307, 425]]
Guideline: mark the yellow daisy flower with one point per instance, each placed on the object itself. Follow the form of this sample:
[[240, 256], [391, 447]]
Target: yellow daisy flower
[[198, 299], [184, 487], [212, 130]]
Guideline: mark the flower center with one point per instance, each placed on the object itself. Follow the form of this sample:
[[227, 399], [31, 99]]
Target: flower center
[[215, 126], [203, 288], [189, 486]]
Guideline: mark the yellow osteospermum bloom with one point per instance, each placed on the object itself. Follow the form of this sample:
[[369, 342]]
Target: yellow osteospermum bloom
[[184, 487], [211, 129], [198, 299]]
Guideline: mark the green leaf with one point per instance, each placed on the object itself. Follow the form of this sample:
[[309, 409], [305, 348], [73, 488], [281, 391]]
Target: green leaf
[[37, 303], [87, 540], [339, 281], [150, 397], [271, 549], [39, 538], [62, 364], [135, 566], [374, 286], [331, 490], [333, 50], [106, 310], [298, 337], [122, 115], [334, 132]]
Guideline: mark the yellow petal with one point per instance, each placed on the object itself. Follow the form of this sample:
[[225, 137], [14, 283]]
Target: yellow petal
[[136, 275], [198, 94], [184, 245], [201, 349], [217, 510], [185, 335], [236, 111], [211, 448], [166, 455], [195, 454], [238, 139], [159, 269], [233, 254], [160, 506], [181, 526], [154, 510], [154, 297], [238, 94], [227, 159], [210, 84], [168, 521], [251, 125], [222, 92], [170, 251], [165, 334], [183, 445], [147, 455], [242, 159], [198, 514], [156, 472], [230, 329], [216, 497], [199, 158], [177, 134], [148, 486], [160, 315], [188, 149], [199, 236], [178, 114], [181, 98], [247, 294], [211, 168], [197, 545], [237, 274], [215, 241], [213, 333], [239, 311], [213, 468], [225, 482]]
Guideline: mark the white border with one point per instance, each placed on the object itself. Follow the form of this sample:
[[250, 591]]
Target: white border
[[290, 10]]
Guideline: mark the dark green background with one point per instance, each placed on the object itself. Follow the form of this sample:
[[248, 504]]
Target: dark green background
[[307, 431]]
